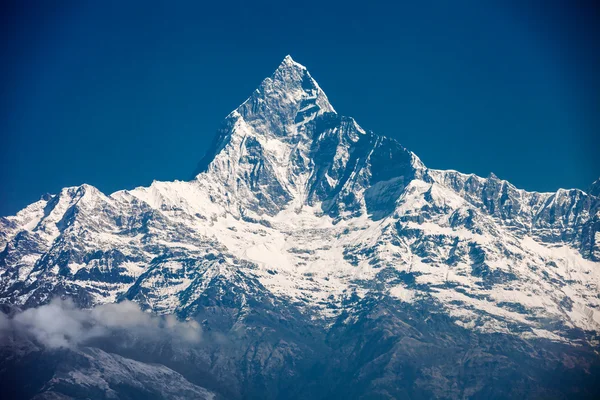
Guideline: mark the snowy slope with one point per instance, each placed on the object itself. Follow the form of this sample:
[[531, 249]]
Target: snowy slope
[[298, 204]]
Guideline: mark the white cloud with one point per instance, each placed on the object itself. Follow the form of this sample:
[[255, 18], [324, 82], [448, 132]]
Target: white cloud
[[61, 324]]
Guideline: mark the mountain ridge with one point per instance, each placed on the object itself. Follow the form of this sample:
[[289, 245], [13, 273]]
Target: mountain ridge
[[320, 261], [284, 162]]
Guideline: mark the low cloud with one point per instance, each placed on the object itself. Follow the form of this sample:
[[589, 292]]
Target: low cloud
[[61, 324]]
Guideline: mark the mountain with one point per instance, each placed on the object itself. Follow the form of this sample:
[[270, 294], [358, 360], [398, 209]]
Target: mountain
[[92, 373], [325, 260]]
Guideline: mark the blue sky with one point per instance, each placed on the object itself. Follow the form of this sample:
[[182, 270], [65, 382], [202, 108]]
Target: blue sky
[[118, 95]]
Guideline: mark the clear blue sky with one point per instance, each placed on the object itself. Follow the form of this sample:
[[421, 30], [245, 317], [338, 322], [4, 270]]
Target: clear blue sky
[[117, 95]]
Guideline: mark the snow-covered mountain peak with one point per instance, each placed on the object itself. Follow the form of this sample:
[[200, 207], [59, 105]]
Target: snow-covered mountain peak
[[289, 96], [306, 236], [275, 115], [296, 201], [288, 60]]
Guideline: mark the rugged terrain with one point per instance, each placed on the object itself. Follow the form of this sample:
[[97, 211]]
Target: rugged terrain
[[323, 261]]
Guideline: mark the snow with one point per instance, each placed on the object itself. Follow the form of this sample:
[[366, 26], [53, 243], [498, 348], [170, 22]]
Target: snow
[[403, 294]]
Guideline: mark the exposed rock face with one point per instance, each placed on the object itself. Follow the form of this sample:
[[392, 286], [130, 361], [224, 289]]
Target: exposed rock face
[[330, 240]]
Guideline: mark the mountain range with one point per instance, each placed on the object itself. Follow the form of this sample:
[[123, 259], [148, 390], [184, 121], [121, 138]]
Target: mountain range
[[321, 260]]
